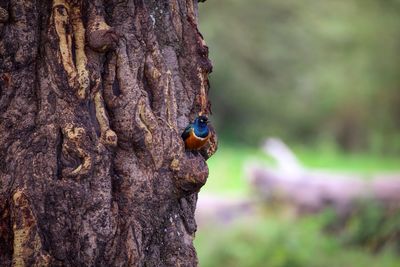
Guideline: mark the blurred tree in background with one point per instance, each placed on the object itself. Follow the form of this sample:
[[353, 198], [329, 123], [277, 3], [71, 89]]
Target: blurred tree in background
[[311, 72], [324, 76]]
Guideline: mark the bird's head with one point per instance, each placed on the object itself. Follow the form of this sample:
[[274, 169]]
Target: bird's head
[[201, 121], [200, 126]]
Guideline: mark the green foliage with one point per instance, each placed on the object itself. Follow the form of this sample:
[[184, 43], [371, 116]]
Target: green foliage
[[306, 71], [373, 226], [278, 242]]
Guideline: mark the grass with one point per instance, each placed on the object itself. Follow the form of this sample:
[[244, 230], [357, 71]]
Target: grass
[[366, 163]]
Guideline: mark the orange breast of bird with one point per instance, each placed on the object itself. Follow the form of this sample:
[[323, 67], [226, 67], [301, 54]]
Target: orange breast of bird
[[193, 142]]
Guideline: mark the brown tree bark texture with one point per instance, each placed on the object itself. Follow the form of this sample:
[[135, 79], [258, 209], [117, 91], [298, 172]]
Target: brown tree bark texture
[[93, 98]]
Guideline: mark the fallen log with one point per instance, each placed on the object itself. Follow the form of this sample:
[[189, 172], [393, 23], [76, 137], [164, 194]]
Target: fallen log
[[313, 191]]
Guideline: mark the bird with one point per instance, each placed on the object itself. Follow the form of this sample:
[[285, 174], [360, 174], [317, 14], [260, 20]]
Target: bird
[[197, 133]]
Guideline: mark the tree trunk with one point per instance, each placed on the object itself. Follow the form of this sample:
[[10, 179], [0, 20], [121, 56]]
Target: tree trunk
[[93, 98]]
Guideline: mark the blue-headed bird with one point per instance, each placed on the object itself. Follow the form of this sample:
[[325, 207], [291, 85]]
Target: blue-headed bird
[[196, 134]]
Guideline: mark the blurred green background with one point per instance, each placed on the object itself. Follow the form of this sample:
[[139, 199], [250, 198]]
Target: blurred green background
[[324, 76]]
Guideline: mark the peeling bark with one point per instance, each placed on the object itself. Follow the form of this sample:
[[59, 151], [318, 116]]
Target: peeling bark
[[93, 98]]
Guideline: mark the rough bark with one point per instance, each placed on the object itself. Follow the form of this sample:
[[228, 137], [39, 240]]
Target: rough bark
[[93, 98]]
